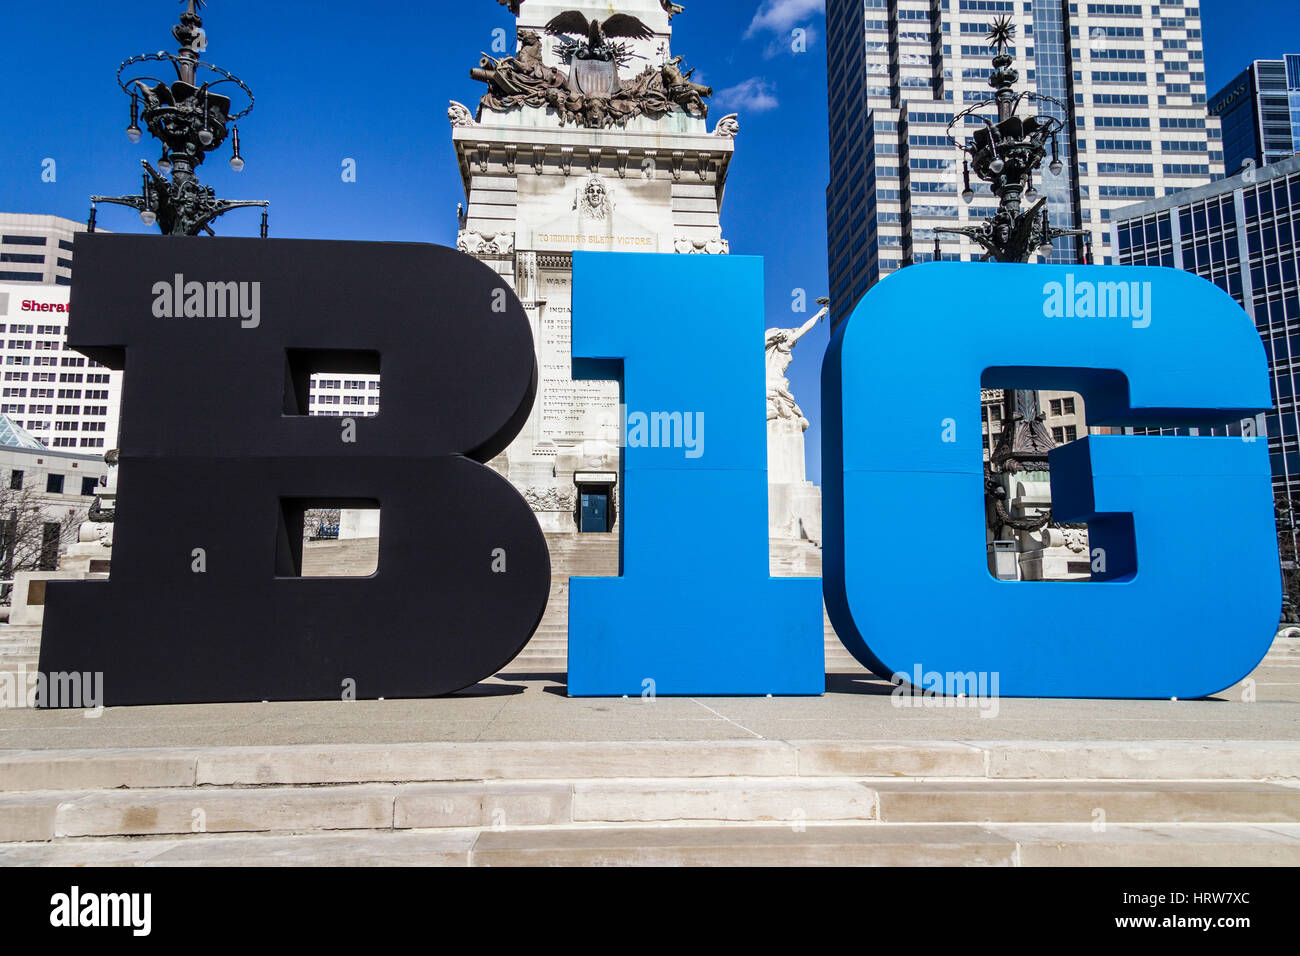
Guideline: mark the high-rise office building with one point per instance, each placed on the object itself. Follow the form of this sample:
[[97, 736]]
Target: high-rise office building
[[37, 249], [1243, 234], [1130, 79], [1260, 113]]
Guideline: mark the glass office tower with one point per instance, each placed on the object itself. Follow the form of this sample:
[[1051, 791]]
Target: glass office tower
[[1241, 234], [1131, 78], [1260, 113]]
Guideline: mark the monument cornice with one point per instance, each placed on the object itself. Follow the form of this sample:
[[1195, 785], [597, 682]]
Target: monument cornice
[[579, 136], [702, 157]]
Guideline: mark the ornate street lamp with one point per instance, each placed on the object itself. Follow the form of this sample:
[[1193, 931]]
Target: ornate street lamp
[[1004, 151], [191, 117]]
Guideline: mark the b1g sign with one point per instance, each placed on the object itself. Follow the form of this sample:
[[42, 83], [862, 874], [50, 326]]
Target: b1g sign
[[219, 460]]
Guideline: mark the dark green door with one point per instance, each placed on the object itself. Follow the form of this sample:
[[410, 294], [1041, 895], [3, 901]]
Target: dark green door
[[595, 512]]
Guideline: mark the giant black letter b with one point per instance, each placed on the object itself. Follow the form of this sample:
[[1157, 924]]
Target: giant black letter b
[[219, 338]]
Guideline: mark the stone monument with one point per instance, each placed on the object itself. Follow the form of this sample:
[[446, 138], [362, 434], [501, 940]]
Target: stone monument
[[1018, 496], [591, 136], [94, 548], [794, 503], [89, 558]]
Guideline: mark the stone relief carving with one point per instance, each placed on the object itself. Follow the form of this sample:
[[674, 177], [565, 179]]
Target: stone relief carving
[[728, 126], [1076, 539], [550, 499], [717, 246], [524, 79], [485, 244], [460, 115], [526, 276], [594, 201]]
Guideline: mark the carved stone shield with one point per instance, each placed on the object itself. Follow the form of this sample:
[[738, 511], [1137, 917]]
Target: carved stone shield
[[594, 77]]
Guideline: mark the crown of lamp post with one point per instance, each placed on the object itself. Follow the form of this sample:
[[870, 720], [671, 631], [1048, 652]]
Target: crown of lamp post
[[191, 116], [1005, 150], [1005, 153]]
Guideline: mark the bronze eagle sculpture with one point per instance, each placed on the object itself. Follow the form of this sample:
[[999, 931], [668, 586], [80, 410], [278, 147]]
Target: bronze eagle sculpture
[[597, 32]]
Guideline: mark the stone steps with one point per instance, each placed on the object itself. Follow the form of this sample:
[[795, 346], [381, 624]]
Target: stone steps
[[50, 815], [657, 802], [20, 650], [597, 555], [776, 845], [323, 764]]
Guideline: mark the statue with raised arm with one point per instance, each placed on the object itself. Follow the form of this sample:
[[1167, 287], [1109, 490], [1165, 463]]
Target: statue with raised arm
[[779, 347]]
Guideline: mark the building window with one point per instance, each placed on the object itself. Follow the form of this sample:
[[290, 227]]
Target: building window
[[88, 485], [16, 480], [50, 535], [1062, 406], [54, 484]]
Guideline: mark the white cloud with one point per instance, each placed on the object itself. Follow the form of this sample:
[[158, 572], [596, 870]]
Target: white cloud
[[754, 94], [780, 15]]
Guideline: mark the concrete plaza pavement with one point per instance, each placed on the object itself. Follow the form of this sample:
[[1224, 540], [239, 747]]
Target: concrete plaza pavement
[[533, 707]]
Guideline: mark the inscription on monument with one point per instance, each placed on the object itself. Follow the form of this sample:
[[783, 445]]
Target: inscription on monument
[[567, 407]]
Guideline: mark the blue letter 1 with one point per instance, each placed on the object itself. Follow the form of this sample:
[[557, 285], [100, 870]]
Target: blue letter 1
[[1189, 603], [695, 610]]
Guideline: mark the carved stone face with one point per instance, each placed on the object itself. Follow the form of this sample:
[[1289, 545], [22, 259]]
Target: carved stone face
[[595, 193]]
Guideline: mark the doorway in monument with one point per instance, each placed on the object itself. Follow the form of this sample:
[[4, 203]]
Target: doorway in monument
[[595, 514]]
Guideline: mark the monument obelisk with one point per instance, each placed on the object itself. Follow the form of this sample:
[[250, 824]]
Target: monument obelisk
[[591, 135]]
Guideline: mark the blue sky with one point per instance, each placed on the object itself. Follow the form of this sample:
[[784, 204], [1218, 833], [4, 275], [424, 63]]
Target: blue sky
[[370, 82]]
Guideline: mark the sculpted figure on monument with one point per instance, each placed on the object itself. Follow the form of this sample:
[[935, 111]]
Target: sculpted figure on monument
[[459, 114], [594, 201], [682, 91], [520, 79], [779, 347], [591, 93], [98, 526], [584, 39]]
